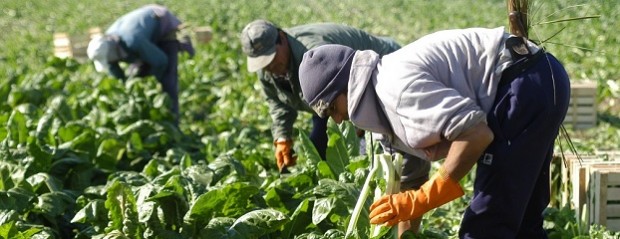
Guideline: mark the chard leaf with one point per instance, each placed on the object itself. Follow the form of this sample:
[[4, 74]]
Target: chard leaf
[[58, 105], [347, 192], [72, 130], [151, 169], [324, 170], [308, 151], [60, 168], [231, 200], [217, 228], [42, 160], [130, 177], [199, 174], [337, 155], [6, 182], [43, 125], [43, 182], [163, 177], [333, 234], [7, 216], [115, 234], [143, 128], [54, 203], [257, 223], [94, 213], [16, 200], [84, 142], [122, 208], [300, 219], [322, 208], [8, 230], [173, 206], [109, 152], [224, 166], [16, 128], [351, 140]]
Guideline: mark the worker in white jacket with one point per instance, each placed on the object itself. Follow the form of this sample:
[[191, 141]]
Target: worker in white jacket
[[467, 95]]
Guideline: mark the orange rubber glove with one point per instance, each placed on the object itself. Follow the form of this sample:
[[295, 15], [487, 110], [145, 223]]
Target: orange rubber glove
[[412, 204], [284, 154]]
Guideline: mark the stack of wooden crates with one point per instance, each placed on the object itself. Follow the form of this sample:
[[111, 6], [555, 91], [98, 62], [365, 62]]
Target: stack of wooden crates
[[595, 187]]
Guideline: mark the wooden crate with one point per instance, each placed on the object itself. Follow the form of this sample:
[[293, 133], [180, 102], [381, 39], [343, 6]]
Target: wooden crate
[[579, 173], [67, 46], [74, 46], [582, 107], [604, 196], [95, 32], [203, 34], [575, 176]]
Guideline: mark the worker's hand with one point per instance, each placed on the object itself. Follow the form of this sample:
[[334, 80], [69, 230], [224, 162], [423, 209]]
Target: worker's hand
[[185, 44], [284, 153], [412, 204], [138, 69]]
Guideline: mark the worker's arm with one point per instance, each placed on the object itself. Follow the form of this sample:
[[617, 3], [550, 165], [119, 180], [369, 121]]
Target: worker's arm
[[443, 187]]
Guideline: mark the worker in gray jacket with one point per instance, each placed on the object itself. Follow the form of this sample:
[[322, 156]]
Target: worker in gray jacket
[[146, 38], [467, 95], [276, 53]]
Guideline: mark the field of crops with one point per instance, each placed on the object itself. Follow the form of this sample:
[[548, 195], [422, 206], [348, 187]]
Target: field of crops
[[83, 155]]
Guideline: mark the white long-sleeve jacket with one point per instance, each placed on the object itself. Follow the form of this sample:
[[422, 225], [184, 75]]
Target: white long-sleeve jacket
[[430, 90]]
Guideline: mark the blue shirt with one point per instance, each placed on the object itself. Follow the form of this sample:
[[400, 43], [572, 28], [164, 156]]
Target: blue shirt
[[138, 32]]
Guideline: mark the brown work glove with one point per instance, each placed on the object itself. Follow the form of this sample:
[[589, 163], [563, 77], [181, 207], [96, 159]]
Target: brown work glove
[[284, 153], [412, 204]]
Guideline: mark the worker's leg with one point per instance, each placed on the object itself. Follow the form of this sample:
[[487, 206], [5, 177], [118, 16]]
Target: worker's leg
[[170, 80], [511, 185]]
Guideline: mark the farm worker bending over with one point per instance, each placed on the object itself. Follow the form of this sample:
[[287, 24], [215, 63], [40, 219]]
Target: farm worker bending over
[[276, 53], [467, 95], [145, 38]]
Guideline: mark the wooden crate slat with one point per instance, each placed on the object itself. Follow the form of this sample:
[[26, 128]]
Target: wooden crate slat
[[583, 89], [576, 118], [613, 194], [581, 111], [613, 180], [613, 210], [582, 101], [598, 207], [613, 224]]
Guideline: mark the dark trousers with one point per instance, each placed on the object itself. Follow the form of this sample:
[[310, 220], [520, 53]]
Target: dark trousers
[[318, 136], [511, 187], [170, 81]]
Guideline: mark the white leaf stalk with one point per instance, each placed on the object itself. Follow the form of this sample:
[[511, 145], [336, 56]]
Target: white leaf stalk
[[391, 171], [387, 183]]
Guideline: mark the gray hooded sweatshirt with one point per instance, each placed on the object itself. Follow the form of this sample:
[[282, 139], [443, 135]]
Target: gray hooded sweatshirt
[[429, 91]]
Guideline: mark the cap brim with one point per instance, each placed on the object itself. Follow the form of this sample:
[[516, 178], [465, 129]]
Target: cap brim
[[260, 62], [101, 66]]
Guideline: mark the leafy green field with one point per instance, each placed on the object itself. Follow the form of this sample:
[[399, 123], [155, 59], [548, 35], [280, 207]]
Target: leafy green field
[[83, 155]]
